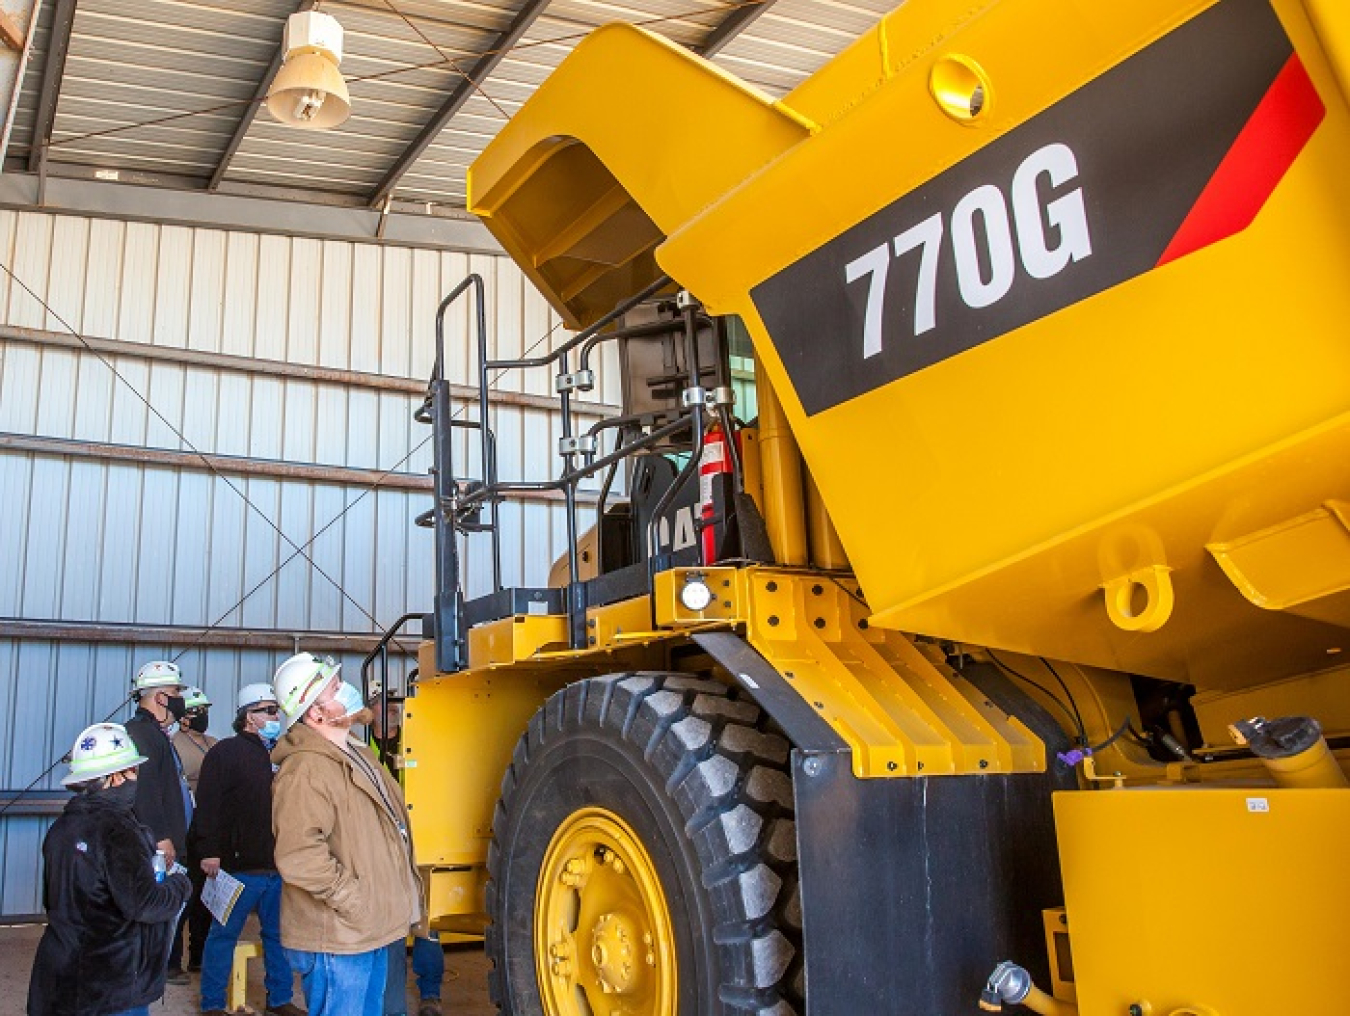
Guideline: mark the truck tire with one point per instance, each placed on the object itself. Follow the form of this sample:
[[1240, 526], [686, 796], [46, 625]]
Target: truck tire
[[643, 858]]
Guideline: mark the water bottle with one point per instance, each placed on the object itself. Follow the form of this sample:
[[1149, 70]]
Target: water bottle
[[159, 866]]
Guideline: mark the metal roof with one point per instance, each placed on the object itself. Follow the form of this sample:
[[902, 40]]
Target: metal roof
[[168, 92]]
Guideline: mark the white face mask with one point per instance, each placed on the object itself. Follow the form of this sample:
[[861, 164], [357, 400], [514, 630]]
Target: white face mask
[[349, 698]]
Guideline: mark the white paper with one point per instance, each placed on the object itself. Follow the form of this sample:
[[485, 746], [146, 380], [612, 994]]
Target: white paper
[[220, 894]]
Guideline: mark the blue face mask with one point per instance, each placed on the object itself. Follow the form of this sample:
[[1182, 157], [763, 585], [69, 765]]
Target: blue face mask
[[349, 698], [270, 731]]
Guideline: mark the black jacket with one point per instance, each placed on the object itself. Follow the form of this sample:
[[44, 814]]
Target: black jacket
[[109, 921], [233, 818], [159, 783]]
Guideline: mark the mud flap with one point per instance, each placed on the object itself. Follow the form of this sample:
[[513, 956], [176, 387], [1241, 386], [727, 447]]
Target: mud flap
[[912, 888]]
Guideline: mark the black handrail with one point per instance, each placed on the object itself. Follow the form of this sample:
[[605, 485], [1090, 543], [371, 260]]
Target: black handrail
[[382, 651], [450, 515]]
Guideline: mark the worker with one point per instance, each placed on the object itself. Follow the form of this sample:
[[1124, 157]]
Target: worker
[[342, 844], [386, 728], [428, 960], [192, 742], [109, 917], [163, 801], [234, 833]]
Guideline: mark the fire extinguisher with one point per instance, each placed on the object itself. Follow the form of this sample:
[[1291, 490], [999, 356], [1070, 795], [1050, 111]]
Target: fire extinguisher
[[714, 461]]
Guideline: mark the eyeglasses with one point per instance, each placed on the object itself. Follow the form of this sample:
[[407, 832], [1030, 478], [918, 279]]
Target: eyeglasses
[[269, 710]]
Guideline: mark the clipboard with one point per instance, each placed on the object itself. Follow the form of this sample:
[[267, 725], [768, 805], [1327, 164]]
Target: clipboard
[[220, 893]]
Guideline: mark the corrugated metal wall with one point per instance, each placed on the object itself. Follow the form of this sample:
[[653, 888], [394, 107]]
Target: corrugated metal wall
[[89, 532]]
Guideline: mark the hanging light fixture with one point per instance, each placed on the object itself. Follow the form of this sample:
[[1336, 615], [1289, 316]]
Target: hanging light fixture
[[309, 91]]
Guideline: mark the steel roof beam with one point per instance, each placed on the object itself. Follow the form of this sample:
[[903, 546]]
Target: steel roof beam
[[258, 367], [251, 110], [255, 208], [482, 67], [733, 25], [220, 637], [53, 70]]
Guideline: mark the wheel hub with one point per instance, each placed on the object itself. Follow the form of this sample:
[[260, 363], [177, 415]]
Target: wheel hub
[[615, 952], [603, 938]]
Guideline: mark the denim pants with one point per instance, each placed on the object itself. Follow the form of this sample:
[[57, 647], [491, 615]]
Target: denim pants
[[336, 985], [262, 892], [428, 963]]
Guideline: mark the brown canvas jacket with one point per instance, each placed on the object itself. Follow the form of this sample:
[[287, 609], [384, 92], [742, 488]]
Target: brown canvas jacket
[[350, 878], [192, 748]]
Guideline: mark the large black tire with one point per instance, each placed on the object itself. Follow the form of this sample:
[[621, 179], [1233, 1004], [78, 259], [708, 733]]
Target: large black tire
[[699, 774]]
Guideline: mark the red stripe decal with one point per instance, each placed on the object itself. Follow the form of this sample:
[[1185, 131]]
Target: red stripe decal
[[1266, 147]]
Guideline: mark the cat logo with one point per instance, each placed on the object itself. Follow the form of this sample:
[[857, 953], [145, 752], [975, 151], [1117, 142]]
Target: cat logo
[[684, 530]]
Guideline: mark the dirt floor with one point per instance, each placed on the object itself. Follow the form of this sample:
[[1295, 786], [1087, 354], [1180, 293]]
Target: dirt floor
[[464, 992]]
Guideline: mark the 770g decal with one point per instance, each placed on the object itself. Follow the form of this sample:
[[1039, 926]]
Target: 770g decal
[[985, 262], [1175, 148]]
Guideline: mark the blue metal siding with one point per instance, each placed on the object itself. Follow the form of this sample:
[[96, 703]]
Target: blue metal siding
[[101, 540]]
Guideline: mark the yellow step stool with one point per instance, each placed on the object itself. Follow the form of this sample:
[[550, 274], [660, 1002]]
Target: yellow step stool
[[243, 952]]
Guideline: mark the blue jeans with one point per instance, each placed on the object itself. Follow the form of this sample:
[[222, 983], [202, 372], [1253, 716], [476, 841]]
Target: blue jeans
[[263, 894], [341, 985], [395, 979], [428, 963]]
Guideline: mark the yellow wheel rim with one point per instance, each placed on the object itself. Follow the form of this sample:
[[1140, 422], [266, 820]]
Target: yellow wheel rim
[[603, 944]]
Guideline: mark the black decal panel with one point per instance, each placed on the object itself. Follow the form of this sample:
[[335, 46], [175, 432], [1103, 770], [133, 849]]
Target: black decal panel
[[1146, 137]]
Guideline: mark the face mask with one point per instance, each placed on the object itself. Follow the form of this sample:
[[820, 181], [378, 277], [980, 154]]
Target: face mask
[[122, 794], [198, 723], [270, 731], [176, 706], [349, 698]]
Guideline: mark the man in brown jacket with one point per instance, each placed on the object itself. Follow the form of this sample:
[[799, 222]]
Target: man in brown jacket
[[342, 846]]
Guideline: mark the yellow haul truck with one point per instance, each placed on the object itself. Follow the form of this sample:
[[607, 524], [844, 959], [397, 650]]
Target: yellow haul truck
[[980, 587]]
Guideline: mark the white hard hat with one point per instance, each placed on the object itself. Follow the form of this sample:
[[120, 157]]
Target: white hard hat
[[252, 694], [101, 750], [159, 674], [300, 681], [195, 698]]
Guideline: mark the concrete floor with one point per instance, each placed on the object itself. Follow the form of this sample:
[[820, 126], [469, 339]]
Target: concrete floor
[[464, 992]]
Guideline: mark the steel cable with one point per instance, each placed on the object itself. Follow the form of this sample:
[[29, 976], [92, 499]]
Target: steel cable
[[298, 551]]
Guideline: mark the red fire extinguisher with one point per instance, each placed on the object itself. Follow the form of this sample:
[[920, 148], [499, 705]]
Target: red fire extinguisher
[[714, 461]]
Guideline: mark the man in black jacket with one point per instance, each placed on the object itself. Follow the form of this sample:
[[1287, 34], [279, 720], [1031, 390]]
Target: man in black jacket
[[163, 801], [109, 912], [234, 832]]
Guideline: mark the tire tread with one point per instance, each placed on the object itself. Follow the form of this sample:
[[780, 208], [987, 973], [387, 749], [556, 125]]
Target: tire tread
[[724, 764]]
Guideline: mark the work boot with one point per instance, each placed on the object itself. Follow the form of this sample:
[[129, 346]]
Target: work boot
[[177, 977], [286, 1009], [429, 1007]]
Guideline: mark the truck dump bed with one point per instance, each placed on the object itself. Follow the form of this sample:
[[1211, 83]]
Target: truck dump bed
[[1055, 297]]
